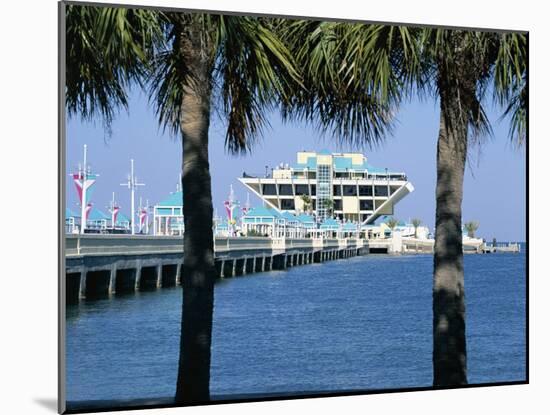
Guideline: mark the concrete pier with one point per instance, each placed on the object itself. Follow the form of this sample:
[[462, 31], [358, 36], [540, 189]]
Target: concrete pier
[[103, 265]]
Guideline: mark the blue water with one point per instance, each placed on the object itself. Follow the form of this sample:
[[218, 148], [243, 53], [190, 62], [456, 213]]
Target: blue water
[[360, 323]]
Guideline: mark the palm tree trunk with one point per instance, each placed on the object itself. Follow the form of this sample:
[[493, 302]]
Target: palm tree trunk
[[198, 268], [449, 339]]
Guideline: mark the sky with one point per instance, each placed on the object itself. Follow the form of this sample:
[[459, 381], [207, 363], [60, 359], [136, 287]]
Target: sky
[[494, 182]]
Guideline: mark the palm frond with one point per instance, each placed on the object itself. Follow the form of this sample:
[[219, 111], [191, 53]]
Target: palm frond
[[107, 50], [510, 82], [351, 80], [255, 70]]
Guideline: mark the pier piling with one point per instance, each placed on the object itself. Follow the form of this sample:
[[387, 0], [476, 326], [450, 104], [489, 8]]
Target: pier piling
[[125, 280]]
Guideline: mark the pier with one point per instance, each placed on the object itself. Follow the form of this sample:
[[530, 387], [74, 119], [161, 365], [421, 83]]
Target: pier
[[103, 265]]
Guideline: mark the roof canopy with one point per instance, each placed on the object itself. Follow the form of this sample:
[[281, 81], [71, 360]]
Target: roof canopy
[[350, 227], [330, 223], [262, 211], [341, 163], [96, 214], [174, 200], [289, 217], [121, 217]]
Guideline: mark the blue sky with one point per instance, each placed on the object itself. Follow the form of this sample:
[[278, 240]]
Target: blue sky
[[494, 185]]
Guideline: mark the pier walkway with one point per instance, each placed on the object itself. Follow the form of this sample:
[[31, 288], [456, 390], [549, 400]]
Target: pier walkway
[[99, 265]]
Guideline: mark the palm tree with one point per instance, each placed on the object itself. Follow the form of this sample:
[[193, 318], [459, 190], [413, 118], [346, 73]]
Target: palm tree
[[416, 223], [392, 223], [471, 227], [350, 67], [306, 200], [328, 204], [191, 65]]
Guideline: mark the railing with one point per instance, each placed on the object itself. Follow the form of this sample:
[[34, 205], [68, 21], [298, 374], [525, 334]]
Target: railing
[[99, 244], [241, 244]]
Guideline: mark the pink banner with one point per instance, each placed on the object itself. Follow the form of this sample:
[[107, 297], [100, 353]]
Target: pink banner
[[115, 214]]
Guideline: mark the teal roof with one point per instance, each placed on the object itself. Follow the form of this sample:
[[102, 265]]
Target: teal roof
[[289, 217], [222, 226], [341, 163], [262, 211], [375, 170], [330, 223], [305, 218], [175, 199], [344, 163], [350, 227], [121, 217], [96, 214], [310, 164]]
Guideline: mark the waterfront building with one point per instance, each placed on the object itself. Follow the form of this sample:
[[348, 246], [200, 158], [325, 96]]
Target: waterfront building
[[371, 231], [381, 230], [97, 221], [339, 184], [293, 226], [72, 221], [350, 230], [222, 229], [168, 215], [407, 231], [331, 228], [122, 223], [308, 223], [263, 221]]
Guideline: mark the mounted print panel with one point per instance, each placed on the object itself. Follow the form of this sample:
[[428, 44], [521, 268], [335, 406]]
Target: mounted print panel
[[269, 207]]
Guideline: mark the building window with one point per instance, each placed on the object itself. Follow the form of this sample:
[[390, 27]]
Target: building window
[[380, 190], [325, 187], [364, 217], [313, 190], [394, 189], [269, 189], [287, 204], [365, 190], [378, 203], [302, 189], [336, 190], [285, 190], [343, 175], [350, 190], [365, 205], [337, 204]]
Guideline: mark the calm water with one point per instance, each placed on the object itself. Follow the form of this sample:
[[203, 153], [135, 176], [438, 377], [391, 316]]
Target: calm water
[[361, 323]]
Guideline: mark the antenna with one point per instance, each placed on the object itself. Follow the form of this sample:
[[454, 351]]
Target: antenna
[[132, 184]]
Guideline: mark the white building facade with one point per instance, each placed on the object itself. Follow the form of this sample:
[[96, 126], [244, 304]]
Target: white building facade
[[327, 184]]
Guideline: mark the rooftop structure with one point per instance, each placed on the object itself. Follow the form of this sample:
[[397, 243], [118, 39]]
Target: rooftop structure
[[327, 184], [168, 215]]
